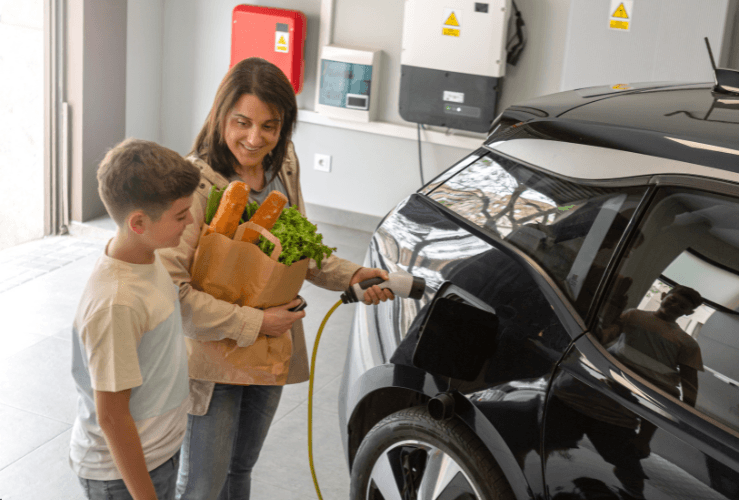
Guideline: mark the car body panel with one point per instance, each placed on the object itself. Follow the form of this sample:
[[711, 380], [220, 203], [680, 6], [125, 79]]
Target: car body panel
[[690, 458], [685, 136]]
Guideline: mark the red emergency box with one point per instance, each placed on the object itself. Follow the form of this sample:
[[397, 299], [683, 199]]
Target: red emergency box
[[276, 35]]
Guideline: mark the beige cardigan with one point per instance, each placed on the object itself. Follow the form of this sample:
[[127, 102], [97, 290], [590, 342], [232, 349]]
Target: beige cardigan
[[206, 318]]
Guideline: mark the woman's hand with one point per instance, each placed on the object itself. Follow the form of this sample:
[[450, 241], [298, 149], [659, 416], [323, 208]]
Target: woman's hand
[[278, 320], [374, 294]]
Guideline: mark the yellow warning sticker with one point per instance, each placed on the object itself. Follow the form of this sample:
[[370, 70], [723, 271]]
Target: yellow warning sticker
[[620, 15], [621, 86], [451, 22], [282, 42], [619, 25], [620, 12]]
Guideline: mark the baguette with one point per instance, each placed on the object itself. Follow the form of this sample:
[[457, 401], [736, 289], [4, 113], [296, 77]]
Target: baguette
[[233, 202], [266, 215]]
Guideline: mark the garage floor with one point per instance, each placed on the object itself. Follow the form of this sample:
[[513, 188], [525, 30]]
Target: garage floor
[[40, 285]]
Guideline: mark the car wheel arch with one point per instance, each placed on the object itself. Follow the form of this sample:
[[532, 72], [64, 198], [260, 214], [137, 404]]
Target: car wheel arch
[[389, 388]]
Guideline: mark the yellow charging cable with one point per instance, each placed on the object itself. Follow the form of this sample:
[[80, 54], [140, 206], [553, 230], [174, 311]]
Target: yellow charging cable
[[310, 397]]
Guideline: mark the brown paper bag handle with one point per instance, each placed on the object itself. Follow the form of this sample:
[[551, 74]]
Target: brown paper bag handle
[[271, 237]]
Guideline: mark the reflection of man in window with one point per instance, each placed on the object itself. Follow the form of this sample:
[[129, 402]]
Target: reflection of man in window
[[652, 344]]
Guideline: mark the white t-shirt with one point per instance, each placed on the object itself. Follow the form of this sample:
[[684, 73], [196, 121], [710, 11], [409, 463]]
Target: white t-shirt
[[127, 334]]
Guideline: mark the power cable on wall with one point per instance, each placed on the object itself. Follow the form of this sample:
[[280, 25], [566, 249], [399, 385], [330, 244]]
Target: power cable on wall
[[514, 49], [420, 160]]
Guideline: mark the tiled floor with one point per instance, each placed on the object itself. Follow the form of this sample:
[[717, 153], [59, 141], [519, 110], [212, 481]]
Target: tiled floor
[[40, 284]]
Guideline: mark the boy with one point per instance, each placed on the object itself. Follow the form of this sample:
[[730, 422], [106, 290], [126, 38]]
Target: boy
[[129, 360]]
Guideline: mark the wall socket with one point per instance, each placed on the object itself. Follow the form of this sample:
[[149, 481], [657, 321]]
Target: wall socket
[[322, 162]]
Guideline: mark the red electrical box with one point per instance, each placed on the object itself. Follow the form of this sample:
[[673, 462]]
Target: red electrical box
[[276, 35]]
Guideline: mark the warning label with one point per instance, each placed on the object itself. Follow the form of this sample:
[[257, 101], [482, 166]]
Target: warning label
[[620, 14], [282, 42], [619, 25], [452, 22]]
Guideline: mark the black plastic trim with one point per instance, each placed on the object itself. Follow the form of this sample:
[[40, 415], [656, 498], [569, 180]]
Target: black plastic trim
[[609, 274]]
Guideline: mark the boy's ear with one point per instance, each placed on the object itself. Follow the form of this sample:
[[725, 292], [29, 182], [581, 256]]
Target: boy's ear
[[137, 222]]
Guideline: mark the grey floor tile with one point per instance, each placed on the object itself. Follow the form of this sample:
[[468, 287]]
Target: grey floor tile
[[292, 396], [22, 432], [284, 458], [46, 304], [38, 380], [13, 342], [43, 474], [260, 490], [327, 397]]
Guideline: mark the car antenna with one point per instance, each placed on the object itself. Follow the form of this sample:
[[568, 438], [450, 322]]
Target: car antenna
[[726, 80]]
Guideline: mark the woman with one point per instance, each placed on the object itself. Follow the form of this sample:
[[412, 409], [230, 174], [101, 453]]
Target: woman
[[245, 137]]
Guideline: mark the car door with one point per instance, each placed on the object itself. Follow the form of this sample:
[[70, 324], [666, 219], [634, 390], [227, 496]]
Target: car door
[[646, 404]]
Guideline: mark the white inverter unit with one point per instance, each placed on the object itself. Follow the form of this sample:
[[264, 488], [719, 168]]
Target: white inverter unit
[[454, 53]]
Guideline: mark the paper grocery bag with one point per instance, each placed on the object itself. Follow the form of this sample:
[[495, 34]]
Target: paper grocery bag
[[240, 273]]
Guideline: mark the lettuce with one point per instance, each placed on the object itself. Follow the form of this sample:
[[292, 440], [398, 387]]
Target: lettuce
[[298, 238]]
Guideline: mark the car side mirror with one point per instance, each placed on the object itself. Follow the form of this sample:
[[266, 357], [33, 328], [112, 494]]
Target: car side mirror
[[457, 335]]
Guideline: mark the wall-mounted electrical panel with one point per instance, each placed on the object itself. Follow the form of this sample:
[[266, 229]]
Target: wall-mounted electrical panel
[[347, 87], [454, 53], [277, 35]]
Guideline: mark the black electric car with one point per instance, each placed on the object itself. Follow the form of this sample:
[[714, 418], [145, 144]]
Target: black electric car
[[579, 333]]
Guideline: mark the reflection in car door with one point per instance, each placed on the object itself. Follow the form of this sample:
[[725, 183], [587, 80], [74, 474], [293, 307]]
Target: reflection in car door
[[644, 406]]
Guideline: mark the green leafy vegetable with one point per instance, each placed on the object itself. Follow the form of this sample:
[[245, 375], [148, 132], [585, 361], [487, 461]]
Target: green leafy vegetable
[[214, 199], [250, 209], [298, 238]]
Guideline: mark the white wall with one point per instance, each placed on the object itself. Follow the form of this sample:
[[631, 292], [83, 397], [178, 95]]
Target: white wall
[[144, 69], [95, 82], [371, 172]]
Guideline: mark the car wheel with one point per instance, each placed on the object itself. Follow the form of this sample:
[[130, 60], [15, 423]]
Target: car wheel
[[409, 455]]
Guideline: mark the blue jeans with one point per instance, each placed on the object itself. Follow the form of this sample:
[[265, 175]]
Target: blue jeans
[[164, 478], [221, 447]]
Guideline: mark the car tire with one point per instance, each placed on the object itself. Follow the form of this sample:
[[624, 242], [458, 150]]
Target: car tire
[[409, 450]]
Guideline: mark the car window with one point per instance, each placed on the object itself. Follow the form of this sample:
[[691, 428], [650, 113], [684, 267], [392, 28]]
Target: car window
[[672, 316], [451, 172], [570, 230]]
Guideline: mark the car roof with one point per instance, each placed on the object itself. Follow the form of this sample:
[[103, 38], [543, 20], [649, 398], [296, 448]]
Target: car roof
[[687, 124]]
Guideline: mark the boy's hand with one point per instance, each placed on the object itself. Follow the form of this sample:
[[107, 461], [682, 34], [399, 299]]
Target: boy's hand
[[124, 442]]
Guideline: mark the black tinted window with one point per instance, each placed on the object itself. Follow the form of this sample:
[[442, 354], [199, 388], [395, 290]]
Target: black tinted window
[[673, 312], [569, 229]]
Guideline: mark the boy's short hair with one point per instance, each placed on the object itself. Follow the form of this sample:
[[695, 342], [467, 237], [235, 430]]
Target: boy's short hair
[[142, 175], [690, 295]]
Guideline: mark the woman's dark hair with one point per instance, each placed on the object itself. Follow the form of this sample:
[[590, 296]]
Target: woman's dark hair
[[267, 82]]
